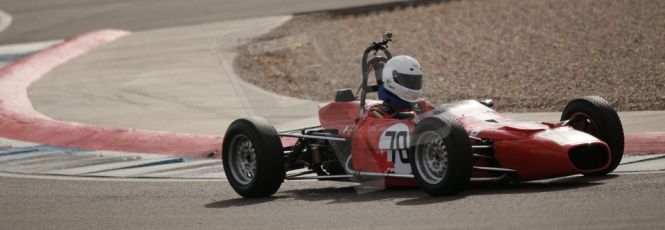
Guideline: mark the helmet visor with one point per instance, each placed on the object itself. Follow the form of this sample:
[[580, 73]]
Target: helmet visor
[[414, 82]]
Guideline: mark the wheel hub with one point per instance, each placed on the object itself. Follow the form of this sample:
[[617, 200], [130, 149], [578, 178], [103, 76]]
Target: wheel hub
[[242, 159], [432, 163]]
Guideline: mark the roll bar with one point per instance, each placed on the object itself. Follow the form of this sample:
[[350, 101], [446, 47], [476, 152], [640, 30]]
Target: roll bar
[[376, 47]]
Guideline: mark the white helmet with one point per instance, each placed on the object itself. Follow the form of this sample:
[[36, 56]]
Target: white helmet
[[403, 76]]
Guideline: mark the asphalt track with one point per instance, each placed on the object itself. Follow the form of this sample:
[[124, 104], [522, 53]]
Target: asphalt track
[[627, 201], [39, 20]]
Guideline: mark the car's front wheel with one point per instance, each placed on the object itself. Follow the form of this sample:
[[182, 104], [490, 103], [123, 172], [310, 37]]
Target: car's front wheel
[[252, 157], [441, 156], [594, 115]]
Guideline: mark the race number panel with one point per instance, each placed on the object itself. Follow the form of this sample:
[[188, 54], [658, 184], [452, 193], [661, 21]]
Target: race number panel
[[395, 142]]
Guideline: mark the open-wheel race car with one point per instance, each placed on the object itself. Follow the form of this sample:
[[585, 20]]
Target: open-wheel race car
[[438, 148]]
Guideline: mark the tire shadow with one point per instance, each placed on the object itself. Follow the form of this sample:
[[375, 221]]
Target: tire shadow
[[239, 202]]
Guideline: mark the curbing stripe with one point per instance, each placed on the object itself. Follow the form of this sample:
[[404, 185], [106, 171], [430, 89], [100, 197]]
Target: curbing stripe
[[644, 143], [162, 162], [10, 159], [18, 151], [20, 120]]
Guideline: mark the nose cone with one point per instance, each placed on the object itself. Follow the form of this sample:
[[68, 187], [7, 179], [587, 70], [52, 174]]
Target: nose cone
[[553, 153]]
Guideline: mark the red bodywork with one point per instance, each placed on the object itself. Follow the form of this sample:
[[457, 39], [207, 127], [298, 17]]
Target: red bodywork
[[536, 150]]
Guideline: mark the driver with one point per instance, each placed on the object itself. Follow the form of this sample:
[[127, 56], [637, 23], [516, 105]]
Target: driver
[[400, 91]]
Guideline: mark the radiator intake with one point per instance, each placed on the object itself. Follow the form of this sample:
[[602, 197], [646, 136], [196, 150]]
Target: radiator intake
[[589, 157]]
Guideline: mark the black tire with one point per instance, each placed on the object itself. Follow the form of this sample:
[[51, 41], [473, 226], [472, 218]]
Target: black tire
[[595, 115], [268, 172], [445, 132]]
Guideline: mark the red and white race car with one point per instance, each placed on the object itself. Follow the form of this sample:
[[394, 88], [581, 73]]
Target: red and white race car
[[439, 148]]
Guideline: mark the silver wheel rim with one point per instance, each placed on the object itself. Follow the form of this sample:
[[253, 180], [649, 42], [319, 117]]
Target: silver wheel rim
[[432, 161], [242, 159]]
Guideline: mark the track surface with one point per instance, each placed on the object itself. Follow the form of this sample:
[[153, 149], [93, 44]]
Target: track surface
[[39, 20], [625, 201]]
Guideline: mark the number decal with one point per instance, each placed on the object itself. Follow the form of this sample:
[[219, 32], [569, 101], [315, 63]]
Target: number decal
[[399, 145], [395, 142]]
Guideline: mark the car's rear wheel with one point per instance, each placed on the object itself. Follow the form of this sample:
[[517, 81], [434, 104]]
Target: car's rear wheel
[[441, 156], [594, 115], [252, 157]]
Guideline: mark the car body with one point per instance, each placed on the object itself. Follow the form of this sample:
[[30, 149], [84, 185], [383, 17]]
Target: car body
[[529, 150], [439, 148]]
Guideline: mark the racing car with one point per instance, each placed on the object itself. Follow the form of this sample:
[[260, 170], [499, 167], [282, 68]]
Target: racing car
[[440, 149]]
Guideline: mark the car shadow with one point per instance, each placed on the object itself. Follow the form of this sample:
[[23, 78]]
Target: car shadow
[[414, 195], [239, 202], [497, 188], [551, 185], [352, 194]]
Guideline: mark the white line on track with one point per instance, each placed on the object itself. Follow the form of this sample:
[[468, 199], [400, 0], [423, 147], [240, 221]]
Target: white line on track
[[16, 51], [131, 179], [5, 20], [91, 178], [26, 47]]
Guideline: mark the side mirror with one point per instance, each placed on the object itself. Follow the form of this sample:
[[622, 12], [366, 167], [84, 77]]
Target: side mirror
[[487, 102]]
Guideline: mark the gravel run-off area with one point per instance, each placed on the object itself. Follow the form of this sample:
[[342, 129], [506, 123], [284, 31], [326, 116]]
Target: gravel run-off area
[[526, 55]]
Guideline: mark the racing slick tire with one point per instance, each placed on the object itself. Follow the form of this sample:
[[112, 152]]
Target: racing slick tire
[[595, 115], [252, 157], [441, 156]]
